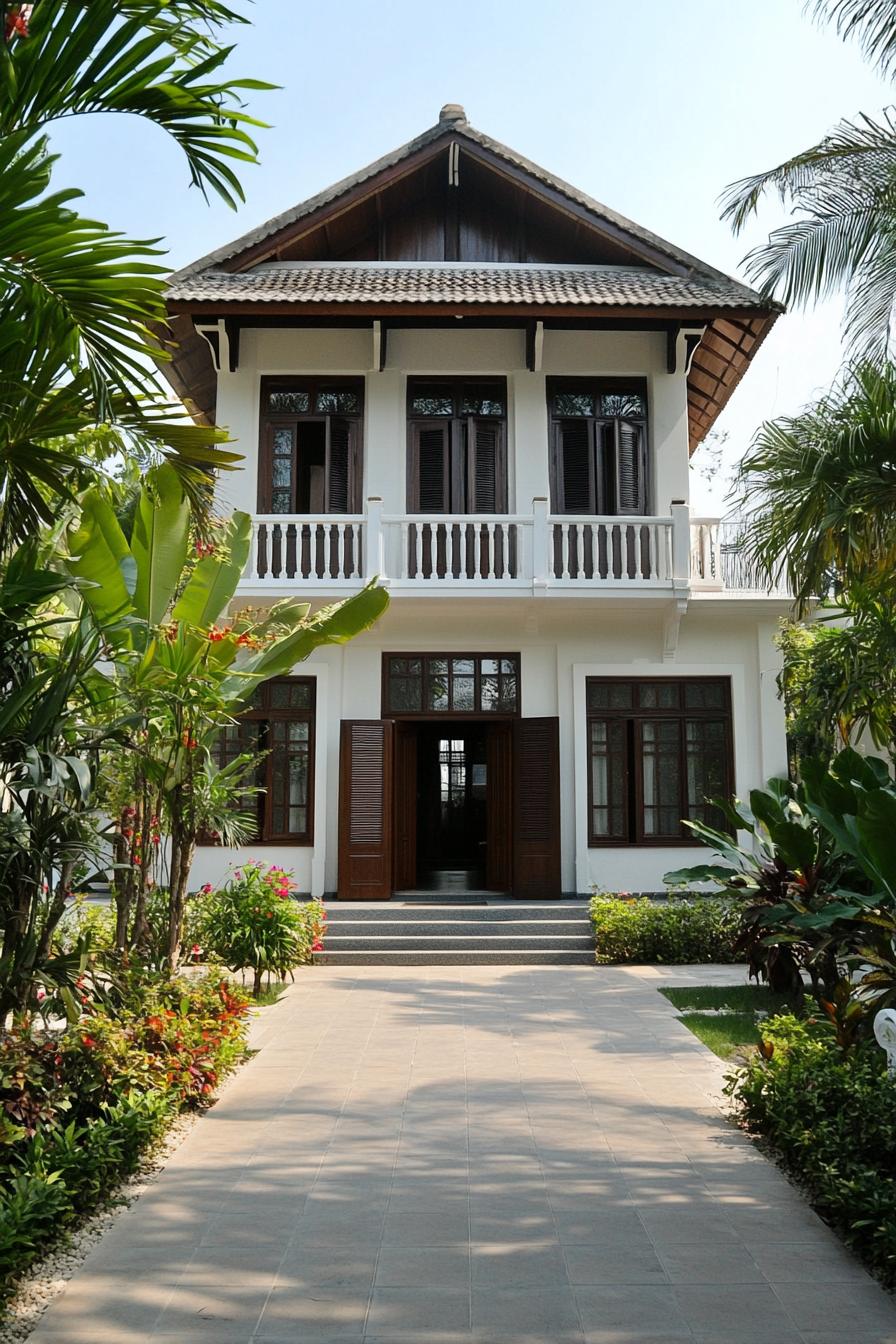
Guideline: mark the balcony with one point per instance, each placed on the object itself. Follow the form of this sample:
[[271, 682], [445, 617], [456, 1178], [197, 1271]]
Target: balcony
[[499, 554]]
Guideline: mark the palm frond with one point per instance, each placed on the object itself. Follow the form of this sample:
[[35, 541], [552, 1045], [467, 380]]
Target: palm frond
[[868, 22], [150, 60]]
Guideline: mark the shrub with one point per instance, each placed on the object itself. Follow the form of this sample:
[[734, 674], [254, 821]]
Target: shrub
[[253, 921], [78, 1107], [830, 1115], [678, 931]]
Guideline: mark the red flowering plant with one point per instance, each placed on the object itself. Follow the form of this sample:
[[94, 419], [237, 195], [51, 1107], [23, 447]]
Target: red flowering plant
[[254, 922]]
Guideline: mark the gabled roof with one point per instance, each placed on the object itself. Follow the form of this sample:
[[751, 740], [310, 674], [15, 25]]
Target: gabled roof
[[452, 124], [256, 278]]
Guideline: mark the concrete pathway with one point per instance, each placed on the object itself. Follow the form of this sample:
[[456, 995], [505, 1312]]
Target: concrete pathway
[[485, 1154]]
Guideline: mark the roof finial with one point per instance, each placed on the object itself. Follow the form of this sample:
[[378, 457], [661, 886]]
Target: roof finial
[[451, 113]]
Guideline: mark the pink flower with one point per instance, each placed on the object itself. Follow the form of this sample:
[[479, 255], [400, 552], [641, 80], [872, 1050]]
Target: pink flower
[[206, 889], [41, 995]]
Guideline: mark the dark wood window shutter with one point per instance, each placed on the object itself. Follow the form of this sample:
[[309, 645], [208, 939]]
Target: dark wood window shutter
[[536, 808], [486, 466], [575, 467], [430, 484], [339, 497], [365, 810], [630, 468]]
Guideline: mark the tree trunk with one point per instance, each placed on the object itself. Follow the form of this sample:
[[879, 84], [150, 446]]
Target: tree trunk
[[183, 848]]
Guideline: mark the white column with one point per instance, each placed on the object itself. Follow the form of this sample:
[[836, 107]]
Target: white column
[[374, 550], [541, 543], [772, 724]]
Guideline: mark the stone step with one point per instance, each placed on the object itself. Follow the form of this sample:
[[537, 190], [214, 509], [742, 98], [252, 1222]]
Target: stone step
[[516, 942], [339, 912], [480, 928], [438, 958]]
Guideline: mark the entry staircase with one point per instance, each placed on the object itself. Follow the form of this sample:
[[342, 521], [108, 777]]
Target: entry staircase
[[490, 932]]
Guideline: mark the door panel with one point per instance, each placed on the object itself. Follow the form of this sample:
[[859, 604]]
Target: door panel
[[536, 809], [499, 808], [365, 810], [405, 806]]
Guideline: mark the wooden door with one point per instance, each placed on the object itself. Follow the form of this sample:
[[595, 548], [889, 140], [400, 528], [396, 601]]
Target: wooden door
[[365, 810], [405, 806], [499, 808], [536, 809]]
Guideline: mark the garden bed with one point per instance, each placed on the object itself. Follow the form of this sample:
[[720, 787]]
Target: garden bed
[[683, 931]]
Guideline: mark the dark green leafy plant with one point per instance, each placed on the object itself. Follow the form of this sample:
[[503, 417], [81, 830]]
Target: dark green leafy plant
[[693, 931], [830, 1116]]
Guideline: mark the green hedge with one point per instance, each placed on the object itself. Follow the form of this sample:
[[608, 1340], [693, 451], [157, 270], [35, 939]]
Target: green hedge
[[678, 931], [79, 1107], [831, 1118]]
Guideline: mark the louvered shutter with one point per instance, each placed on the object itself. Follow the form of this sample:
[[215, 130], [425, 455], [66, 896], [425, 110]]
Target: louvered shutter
[[575, 467], [365, 810], [339, 466], [630, 468], [486, 473], [429, 485], [536, 808]]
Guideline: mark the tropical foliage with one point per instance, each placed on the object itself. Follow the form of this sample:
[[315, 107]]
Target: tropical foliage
[[816, 883], [841, 192]]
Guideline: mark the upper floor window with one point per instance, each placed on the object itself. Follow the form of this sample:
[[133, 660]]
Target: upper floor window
[[598, 445], [311, 445], [457, 445]]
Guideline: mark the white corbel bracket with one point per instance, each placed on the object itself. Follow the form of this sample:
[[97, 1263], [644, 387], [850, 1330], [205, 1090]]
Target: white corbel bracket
[[217, 337], [671, 627]]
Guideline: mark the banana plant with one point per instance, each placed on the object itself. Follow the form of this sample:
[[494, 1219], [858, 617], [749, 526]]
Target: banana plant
[[178, 655]]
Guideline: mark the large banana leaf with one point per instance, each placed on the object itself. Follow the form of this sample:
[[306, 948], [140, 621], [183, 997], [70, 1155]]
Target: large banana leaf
[[99, 554], [159, 543], [213, 582], [336, 624]]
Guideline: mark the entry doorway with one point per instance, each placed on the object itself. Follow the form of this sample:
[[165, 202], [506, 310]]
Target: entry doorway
[[453, 803], [453, 806]]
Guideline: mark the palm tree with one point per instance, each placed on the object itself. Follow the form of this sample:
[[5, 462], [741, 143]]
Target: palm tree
[[843, 191], [820, 488], [80, 306]]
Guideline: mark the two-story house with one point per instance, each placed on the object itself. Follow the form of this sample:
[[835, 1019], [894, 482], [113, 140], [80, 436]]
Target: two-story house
[[459, 373]]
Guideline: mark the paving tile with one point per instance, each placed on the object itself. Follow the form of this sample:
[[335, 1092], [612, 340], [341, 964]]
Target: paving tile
[[518, 1265], [442, 1227], [640, 1311], [517, 1311], [739, 1313], [408, 1267], [614, 1262], [698, 1263], [417, 1310]]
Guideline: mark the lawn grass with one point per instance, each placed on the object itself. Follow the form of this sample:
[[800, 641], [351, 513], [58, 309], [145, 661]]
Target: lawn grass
[[727, 1034], [725, 1017]]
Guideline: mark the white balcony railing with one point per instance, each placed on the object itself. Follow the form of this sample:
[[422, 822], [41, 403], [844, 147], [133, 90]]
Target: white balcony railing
[[500, 552]]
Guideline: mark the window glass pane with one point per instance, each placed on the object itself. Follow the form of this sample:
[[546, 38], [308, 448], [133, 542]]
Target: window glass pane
[[658, 695], [661, 776], [472, 403], [630, 404], [282, 472], [283, 443], [462, 666], [338, 401], [462, 694], [489, 665], [298, 732], [508, 665], [432, 401], [281, 501], [405, 694], [507, 700], [573, 403], [609, 695], [707, 768], [436, 690], [607, 778], [289, 403], [704, 695]]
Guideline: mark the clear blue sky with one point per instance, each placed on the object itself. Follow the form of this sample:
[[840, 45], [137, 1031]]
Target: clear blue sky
[[650, 107]]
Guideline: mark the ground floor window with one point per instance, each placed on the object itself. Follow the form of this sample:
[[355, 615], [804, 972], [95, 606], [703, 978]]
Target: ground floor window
[[658, 749], [279, 723]]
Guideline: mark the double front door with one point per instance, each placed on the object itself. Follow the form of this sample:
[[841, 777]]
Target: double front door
[[449, 805]]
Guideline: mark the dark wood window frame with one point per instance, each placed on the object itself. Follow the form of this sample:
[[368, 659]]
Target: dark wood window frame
[[464, 440], [630, 741], [255, 729], [272, 420], [435, 714], [602, 444]]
